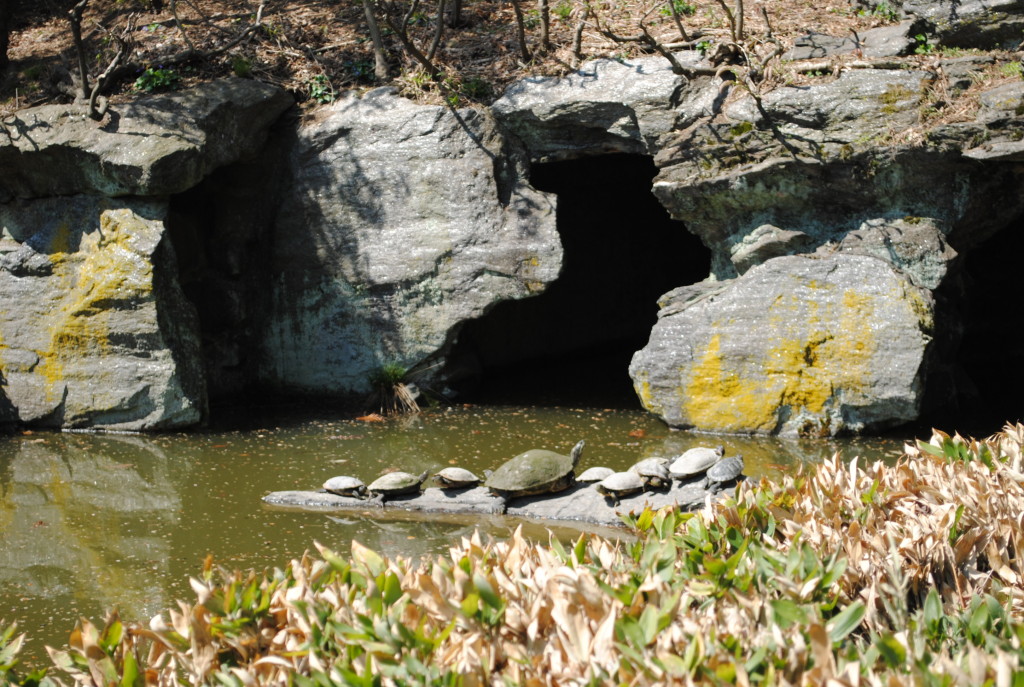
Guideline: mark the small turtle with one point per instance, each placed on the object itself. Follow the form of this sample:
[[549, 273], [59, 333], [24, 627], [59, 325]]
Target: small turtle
[[653, 471], [725, 471], [695, 461], [456, 478], [621, 484], [594, 474], [397, 483], [343, 485], [535, 472]]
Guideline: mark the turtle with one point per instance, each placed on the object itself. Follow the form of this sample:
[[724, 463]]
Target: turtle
[[621, 484], [595, 474], [343, 485], [725, 471], [653, 471], [537, 471], [397, 483], [456, 478], [695, 461]]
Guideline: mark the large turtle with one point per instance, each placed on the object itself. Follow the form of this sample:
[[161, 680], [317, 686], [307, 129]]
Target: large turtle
[[535, 472], [397, 483]]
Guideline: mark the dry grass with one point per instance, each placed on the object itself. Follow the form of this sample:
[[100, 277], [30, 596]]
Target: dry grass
[[303, 43]]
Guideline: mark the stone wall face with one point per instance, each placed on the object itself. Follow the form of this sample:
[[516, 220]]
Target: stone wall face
[[402, 221], [95, 331]]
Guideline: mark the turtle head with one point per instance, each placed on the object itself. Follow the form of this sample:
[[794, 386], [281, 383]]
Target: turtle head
[[576, 452]]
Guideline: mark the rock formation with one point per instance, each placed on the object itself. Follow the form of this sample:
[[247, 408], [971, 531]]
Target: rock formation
[[402, 221], [95, 330], [839, 212]]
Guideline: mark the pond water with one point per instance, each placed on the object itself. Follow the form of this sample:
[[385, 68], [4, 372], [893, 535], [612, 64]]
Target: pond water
[[90, 522]]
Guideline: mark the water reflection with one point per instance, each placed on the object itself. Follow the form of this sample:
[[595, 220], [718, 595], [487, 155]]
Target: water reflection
[[93, 522]]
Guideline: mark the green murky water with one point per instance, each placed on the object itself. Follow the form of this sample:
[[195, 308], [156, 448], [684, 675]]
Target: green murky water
[[90, 522]]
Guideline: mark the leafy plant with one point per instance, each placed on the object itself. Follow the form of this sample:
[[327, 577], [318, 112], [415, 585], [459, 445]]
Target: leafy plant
[[156, 79], [882, 10], [563, 10], [683, 8], [241, 67], [392, 390], [923, 46], [320, 89], [1012, 69]]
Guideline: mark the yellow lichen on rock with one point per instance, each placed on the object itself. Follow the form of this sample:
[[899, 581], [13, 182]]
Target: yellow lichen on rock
[[812, 351], [107, 270], [722, 398]]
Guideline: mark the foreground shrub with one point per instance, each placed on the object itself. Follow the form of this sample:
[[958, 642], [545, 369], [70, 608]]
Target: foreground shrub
[[839, 574]]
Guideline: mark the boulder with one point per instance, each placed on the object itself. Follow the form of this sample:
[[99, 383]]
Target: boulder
[[606, 106], [984, 24], [797, 345], [402, 222], [152, 146], [95, 331], [812, 164]]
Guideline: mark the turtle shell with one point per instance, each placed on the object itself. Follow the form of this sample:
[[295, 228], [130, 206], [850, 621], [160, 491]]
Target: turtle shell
[[595, 474], [343, 485], [535, 472], [396, 483], [620, 483], [456, 477], [695, 461], [726, 470], [653, 471]]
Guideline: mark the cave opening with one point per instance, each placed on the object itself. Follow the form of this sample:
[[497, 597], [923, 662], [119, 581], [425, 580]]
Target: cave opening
[[988, 369], [571, 344]]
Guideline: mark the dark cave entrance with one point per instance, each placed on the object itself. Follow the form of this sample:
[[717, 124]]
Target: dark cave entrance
[[572, 344], [988, 367]]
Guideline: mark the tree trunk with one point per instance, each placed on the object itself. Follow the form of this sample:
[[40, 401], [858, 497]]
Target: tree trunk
[[380, 60], [455, 16], [5, 28], [545, 24], [524, 50]]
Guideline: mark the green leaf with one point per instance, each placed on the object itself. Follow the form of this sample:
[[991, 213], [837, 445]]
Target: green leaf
[[673, 665], [130, 676], [649, 624], [786, 613], [890, 649], [580, 549], [392, 589], [486, 591], [470, 605], [846, 621], [369, 558]]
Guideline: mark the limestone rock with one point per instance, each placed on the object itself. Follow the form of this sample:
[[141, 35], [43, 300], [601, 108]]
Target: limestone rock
[[402, 222], [605, 106], [884, 41], [95, 331], [813, 163], [985, 24], [797, 345], [153, 146]]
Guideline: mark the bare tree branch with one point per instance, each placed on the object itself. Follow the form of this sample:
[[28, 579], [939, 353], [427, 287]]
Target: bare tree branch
[[438, 31], [125, 46], [677, 19]]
